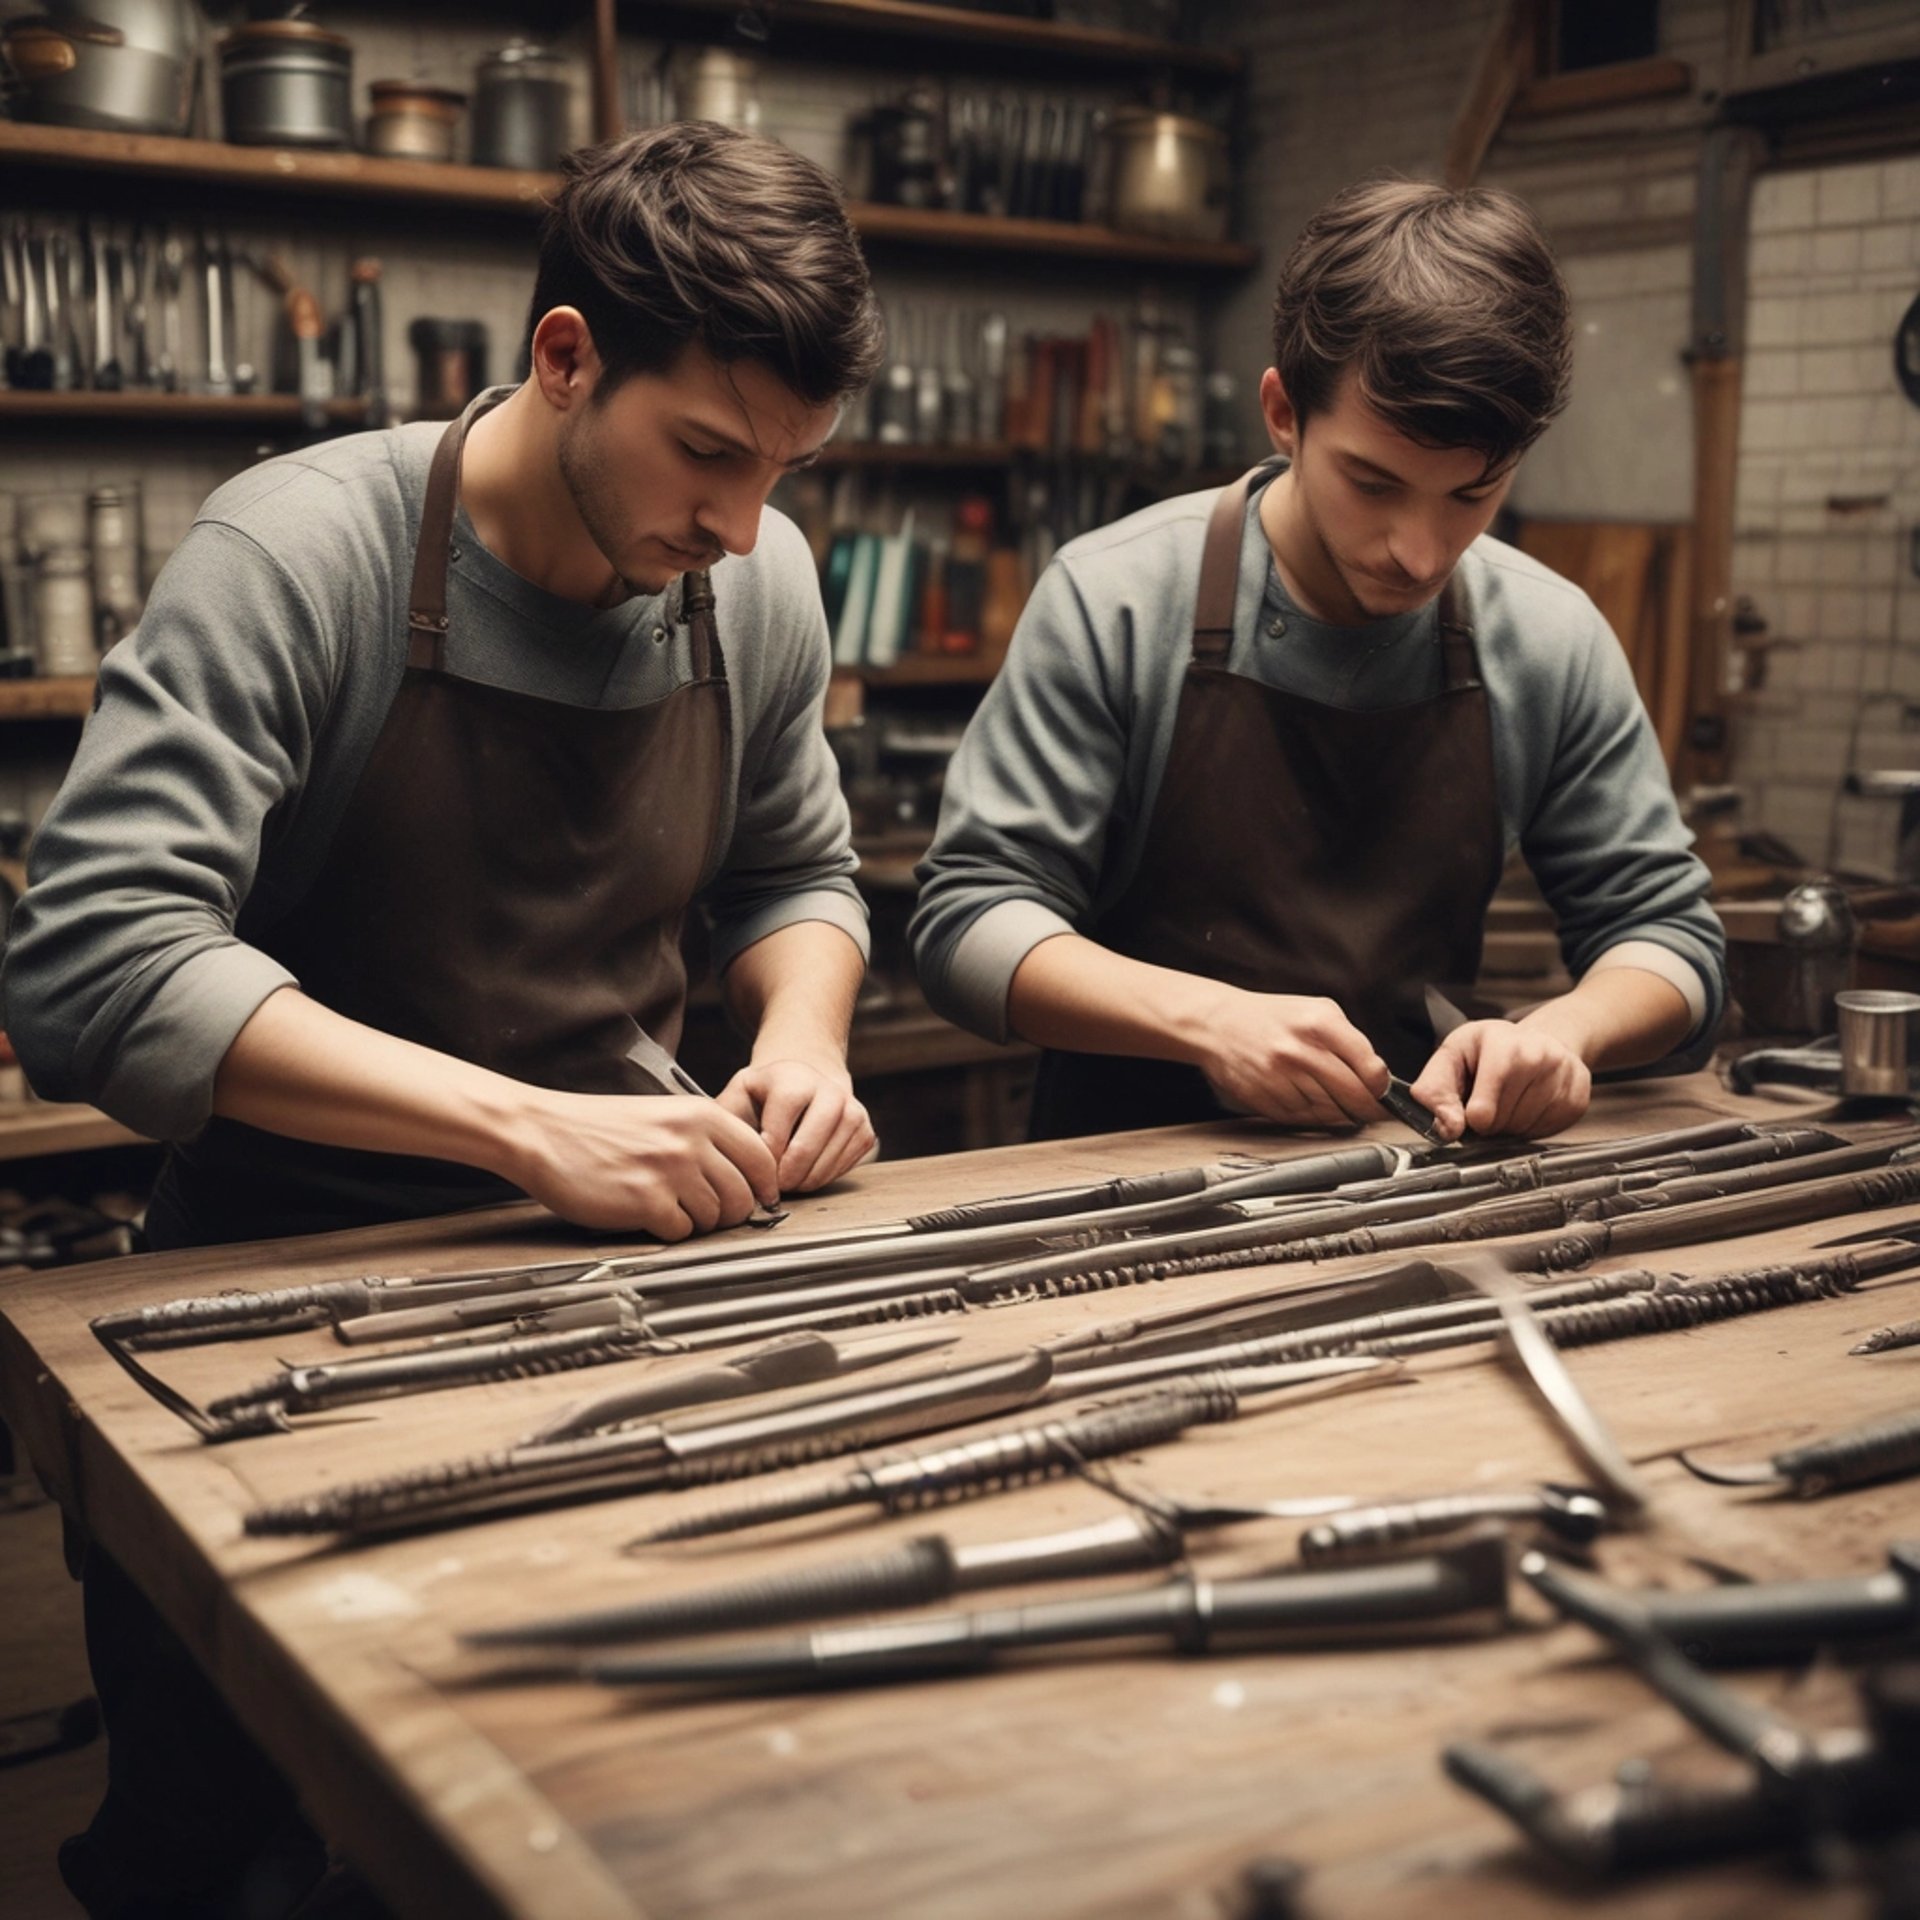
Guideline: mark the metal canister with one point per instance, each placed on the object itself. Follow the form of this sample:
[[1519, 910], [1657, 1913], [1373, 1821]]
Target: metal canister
[[286, 83], [114, 523], [411, 121], [522, 108], [63, 612]]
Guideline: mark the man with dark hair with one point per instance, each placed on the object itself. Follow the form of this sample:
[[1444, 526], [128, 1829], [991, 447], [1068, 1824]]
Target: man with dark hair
[[1248, 780], [366, 888]]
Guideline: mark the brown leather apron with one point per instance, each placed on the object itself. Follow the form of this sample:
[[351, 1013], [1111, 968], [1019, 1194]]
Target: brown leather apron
[[507, 885], [1298, 848]]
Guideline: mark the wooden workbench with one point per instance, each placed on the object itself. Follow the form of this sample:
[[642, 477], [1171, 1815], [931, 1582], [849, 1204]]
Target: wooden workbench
[[1108, 1785]]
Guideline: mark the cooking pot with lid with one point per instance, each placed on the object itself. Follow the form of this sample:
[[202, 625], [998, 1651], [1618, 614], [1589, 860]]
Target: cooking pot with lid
[[117, 65]]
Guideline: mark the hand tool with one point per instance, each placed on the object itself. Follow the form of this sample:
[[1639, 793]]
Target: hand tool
[[301, 311], [663, 1458], [369, 340], [169, 275], [58, 266], [1884, 1449], [1399, 1101], [1571, 1515], [1742, 1726], [34, 368], [106, 339], [913, 1482], [1889, 1339], [1459, 1588], [1603, 1833], [783, 1362], [1626, 1493], [217, 274], [1790, 1620], [135, 260]]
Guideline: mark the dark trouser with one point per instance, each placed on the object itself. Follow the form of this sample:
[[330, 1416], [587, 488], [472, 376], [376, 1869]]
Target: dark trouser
[[197, 1822]]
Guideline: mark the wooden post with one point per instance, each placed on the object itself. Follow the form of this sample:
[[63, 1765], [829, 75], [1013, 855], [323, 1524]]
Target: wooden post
[[1728, 161], [607, 118]]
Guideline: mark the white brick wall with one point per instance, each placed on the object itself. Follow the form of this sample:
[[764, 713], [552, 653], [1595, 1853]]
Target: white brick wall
[[1823, 421]]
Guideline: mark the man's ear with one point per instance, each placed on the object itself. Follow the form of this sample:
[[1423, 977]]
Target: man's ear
[[564, 363], [1283, 427]]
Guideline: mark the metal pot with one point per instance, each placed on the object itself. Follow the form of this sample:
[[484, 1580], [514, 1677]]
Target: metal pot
[[522, 108], [1169, 175], [413, 122], [719, 85], [117, 65], [287, 83]]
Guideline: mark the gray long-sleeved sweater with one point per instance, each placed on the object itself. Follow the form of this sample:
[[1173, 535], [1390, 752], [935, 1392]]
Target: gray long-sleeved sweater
[[233, 724], [1049, 797]]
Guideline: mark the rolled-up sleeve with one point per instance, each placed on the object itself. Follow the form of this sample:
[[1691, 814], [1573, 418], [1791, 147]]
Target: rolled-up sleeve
[[125, 981], [1028, 809], [791, 856], [1609, 849]]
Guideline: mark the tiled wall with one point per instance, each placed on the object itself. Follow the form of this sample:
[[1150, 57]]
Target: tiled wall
[[1829, 503], [1339, 91]]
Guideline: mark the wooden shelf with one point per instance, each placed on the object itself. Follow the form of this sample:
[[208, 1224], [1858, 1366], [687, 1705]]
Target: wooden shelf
[[32, 1127], [797, 26], [59, 699], [1066, 239], [361, 178], [255, 412], [278, 170], [1593, 87]]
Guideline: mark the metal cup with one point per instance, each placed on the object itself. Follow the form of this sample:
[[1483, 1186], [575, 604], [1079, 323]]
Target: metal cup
[[1875, 1029]]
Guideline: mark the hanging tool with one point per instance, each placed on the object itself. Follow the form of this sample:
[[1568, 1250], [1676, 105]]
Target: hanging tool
[[217, 279]]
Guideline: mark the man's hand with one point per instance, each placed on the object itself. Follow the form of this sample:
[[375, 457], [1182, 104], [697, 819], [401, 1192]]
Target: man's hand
[[668, 1164], [1497, 1077], [1291, 1058], [807, 1116]]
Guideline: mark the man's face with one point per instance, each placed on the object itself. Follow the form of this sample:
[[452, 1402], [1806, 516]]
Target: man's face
[[1385, 520], [670, 471]]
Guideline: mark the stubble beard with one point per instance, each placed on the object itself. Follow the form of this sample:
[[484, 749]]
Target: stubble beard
[[584, 468]]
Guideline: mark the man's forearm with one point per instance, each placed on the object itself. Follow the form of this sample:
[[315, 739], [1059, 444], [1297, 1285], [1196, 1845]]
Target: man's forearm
[[794, 991], [1617, 1017], [1072, 993], [300, 1069]]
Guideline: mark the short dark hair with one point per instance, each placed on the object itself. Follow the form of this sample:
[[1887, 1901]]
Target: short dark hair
[[1446, 305], [697, 232]]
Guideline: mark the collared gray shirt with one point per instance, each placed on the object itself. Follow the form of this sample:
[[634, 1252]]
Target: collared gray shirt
[[234, 723], [1048, 800]]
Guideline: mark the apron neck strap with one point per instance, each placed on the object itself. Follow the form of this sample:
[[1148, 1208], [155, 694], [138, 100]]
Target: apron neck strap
[[1456, 637], [696, 609], [427, 598], [1220, 570]]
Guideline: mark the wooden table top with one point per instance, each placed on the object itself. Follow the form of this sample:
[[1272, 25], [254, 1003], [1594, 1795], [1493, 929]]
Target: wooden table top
[[1127, 1783]]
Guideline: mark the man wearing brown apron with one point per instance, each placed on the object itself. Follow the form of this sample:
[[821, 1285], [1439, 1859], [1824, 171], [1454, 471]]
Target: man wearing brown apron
[[1253, 769], [367, 886]]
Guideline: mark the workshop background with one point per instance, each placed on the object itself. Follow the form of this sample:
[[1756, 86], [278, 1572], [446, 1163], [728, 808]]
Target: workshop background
[[1078, 292]]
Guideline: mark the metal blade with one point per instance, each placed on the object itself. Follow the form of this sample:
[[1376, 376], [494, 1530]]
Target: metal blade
[[1443, 1014], [1585, 1432]]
